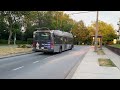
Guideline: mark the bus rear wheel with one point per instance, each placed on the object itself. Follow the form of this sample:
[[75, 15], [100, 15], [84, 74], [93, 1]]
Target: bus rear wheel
[[71, 47], [60, 49]]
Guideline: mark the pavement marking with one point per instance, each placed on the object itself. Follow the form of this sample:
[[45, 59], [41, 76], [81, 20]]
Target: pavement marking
[[48, 57], [18, 68], [36, 62], [43, 59]]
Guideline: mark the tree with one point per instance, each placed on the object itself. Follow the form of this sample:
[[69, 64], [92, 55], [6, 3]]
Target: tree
[[10, 19], [105, 29], [81, 32], [50, 19]]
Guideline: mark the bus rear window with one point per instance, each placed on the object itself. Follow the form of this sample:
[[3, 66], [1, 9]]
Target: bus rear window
[[42, 36]]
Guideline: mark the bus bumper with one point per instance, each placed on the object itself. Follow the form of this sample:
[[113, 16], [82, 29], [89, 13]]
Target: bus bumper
[[42, 50]]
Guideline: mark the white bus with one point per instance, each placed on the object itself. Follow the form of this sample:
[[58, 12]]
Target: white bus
[[52, 41]]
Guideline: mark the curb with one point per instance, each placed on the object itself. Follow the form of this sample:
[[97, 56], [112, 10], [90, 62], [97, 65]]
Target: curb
[[74, 68], [16, 55]]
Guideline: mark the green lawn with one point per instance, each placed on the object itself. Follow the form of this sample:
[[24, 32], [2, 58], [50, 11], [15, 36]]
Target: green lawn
[[117, 45]]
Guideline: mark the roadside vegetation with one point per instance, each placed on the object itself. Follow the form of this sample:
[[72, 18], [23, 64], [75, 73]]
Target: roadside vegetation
[[13, 50], [116, 45], [106, 62], [100, 52], [17, 27]]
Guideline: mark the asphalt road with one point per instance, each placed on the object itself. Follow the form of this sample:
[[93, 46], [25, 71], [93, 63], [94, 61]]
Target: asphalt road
[[41, 66]]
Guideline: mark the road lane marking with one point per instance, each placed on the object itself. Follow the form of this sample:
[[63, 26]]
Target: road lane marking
[[48, 57], [43, 59], [36, 62], [18, 68]]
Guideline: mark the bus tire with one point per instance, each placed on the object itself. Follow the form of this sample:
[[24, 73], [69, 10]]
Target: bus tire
[[60, 49], [71, 47]]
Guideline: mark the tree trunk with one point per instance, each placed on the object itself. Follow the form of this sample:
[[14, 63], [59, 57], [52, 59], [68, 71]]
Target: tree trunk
[[15, 39], [9, 39]]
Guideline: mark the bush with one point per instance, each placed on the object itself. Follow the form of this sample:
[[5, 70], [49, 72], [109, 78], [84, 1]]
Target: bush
[[20, 42], [19, 46], [2, 41], [22, 46], [110, 43], [29, 40], [118, 42]]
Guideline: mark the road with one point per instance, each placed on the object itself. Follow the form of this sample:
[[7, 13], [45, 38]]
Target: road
[[41, 66]]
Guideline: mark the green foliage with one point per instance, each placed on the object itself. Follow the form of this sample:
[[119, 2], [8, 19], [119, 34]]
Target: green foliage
[[12, 21], [81, 32], [29, 40], [2, 41], [110, 42], [106, 30], [21, 42], [22, 46], [51, 19], [116, 45], [118, 41]]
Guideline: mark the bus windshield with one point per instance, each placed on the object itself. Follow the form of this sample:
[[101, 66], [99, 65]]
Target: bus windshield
[[42, 36]]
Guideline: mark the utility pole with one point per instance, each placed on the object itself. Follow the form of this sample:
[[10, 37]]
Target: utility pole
[[38, 18], [118, 29], [61, 22], [57, 20], [96, 33]]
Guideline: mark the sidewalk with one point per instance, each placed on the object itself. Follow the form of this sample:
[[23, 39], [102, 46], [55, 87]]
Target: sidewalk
[[89, 67]]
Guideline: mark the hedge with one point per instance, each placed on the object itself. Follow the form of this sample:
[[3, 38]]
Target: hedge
[[29, 40]]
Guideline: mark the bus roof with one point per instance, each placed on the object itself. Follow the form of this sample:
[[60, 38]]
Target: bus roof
[[57, 32]]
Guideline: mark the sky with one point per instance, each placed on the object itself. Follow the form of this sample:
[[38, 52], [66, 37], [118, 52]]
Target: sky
[[110, 17]]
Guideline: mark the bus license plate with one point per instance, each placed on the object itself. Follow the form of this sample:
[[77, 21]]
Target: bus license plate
[[42, 47]]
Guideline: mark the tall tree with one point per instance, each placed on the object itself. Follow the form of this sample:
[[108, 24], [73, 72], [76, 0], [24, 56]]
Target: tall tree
[[81, 32], [105, 29]]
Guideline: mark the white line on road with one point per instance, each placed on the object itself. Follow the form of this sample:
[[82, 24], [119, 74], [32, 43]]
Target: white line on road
[[43, 59], [18, 68], [36, 62], [49, 57]]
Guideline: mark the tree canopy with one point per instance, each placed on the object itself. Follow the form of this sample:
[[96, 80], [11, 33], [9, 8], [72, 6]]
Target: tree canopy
[[106, 30], [11, 23]]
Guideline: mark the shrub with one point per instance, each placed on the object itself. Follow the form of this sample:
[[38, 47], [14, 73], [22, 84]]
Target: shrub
[[19, 46], [22, 46], [109, 42], [118, 42], [20, 42], [2, 41], [29, 40]]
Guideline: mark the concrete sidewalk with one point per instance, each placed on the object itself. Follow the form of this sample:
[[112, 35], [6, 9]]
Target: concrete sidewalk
[[89, 67]]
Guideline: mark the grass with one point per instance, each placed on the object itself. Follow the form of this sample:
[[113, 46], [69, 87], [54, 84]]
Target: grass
[[13, 50], [100, 52], [116, 45], [106, 62]]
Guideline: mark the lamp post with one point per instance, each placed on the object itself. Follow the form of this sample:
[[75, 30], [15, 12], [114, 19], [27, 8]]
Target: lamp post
[[96, 33]]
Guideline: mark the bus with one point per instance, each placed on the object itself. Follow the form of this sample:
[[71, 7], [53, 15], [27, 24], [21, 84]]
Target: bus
[[54, 41]]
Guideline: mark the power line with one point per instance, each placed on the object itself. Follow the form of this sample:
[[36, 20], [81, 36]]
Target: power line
[[81, 12]]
